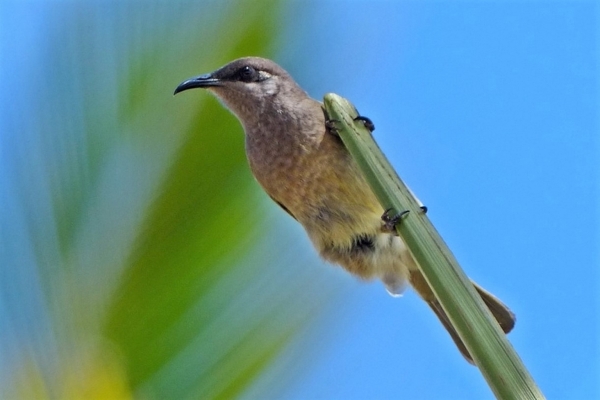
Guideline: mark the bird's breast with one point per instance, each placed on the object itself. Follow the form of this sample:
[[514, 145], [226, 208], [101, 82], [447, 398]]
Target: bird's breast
[[318, 183]]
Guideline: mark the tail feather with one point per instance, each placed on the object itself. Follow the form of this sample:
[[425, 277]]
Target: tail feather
[[506, 319], [441, 314]]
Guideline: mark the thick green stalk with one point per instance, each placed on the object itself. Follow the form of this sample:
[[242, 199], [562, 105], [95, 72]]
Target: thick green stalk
[[487, 344]]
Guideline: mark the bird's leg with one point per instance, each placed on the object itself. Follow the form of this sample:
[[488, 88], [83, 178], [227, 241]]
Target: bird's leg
[[331, 127], [367, 122], [390, 222]]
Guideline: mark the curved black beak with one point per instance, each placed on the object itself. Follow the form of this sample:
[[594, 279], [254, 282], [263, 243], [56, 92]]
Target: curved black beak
[[202, 81]]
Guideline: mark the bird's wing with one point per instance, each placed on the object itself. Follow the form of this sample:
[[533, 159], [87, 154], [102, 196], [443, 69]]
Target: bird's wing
[[283, 207]]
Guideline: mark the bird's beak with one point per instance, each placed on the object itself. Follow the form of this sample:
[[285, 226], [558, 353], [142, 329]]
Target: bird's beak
[[202, 81]]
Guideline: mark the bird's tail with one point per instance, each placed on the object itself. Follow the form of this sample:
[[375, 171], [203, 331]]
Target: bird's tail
[[506, 319]]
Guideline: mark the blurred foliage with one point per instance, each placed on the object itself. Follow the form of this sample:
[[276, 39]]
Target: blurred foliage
[[130, 220]]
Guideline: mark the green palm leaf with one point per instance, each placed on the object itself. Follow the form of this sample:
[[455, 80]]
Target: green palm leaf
[[155, 264]]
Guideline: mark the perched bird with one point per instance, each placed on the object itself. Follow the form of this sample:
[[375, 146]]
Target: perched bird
[[305, 168]]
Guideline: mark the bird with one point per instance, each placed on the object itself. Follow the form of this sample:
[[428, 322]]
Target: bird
[[304, 167]]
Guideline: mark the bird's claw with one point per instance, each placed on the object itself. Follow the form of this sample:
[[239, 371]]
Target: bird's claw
[[331, 127], [391, 222], [367, 122], [330, 124]]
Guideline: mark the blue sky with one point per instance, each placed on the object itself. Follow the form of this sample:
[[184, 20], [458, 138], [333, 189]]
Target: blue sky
[[489, 111]]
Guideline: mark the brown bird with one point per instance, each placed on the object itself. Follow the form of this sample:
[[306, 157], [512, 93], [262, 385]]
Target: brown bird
[[305, 168]]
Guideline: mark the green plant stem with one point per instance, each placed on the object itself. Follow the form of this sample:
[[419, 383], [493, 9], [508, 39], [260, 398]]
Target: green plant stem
[[499, 363]]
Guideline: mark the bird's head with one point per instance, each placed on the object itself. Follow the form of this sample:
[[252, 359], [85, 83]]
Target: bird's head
[[247, 86]]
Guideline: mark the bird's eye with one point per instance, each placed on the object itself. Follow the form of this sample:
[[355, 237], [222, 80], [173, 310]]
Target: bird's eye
[[247, 74]]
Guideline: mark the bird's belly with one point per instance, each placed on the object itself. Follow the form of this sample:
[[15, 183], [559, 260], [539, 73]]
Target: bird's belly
[[381, 256]]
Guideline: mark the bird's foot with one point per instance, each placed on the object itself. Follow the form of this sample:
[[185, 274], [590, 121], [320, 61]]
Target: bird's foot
[[330, 125], [367, 122], [390, 222]]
